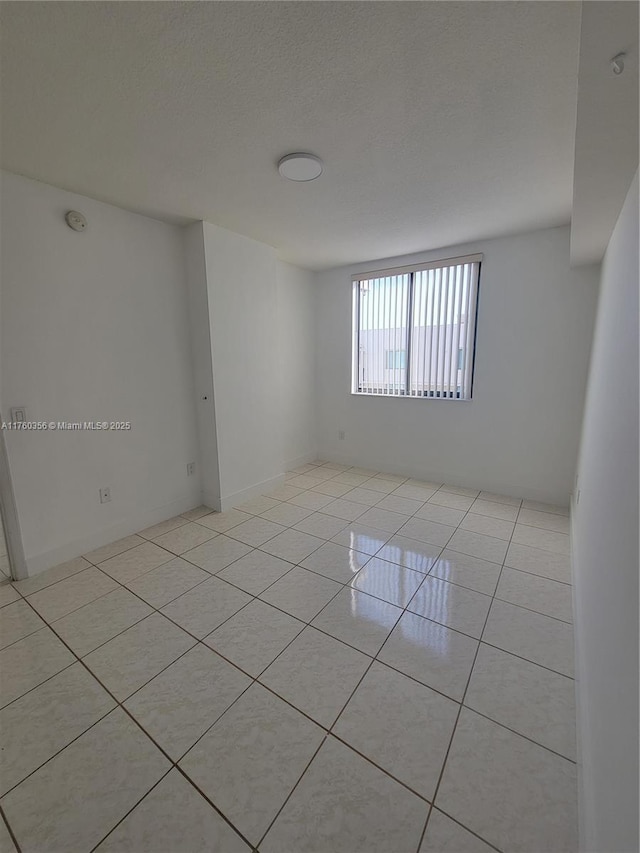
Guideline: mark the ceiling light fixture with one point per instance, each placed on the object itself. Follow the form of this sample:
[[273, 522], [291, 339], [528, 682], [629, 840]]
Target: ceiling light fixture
[[300, 167]]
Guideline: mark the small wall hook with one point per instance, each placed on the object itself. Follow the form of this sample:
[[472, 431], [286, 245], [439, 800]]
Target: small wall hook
[[617, 63]]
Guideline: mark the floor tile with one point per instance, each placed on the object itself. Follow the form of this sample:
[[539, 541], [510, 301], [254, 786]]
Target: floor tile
[[258, 505], [216, 554], [330, 487], [163, 527], [319, 473], [444, 835], [206, 606], [160, 586], [255, 571], [515, 794], [360, 495], [311, 500], [255, 531], [113, 549], [545, 520], [499, 499], [359, 537], [494, 510], [196, 512], [383, 519], [413, 492], [536, 593], [18, 620], [173, 817], [441, 514], [471, 572], [394, 478], [396, 503], [478, 545], [527, 698], [345, 509], [284, 492], [427, 531], [132, 658], [184, 538], [292, 545], [8, 594], [31, 661], [48, 718], [179, 704], [488, 526], [351, 478], [136, 561], [536, 537], [301, 593], [452, 501], [401, 725], [255, 636], [335, 562], [367, 472], [51, 576], [346, 805], [76, 798], [302, 481], [542, 507], [6, 842], [431, 653], [321, 525], [316, 674], [358, 619], [249, 762], [452, 605], [554, 566], [388, 581], [95, 623], [382, 485], [223, 521], [538, 638], [412, 553], [460, 490], [70, 594]]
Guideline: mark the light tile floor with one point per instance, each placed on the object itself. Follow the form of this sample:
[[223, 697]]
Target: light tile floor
[[355, 662]]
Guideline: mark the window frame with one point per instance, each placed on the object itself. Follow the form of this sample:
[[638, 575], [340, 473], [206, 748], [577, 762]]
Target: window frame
[[411, 270]]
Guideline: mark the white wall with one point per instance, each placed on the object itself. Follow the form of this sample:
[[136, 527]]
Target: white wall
[[196, 270], [519, 435], [605, 557], [94, 327], [242, 295], [296, 363]]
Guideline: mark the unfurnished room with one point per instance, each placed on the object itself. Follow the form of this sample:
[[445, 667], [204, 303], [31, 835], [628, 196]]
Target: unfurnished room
[[319, 427]]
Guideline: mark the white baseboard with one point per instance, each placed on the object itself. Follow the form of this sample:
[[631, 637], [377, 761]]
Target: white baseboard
[[126, 527], [229, 501]]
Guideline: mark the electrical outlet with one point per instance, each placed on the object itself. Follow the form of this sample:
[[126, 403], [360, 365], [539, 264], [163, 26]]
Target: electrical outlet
[[105, 495], [191, 469], [341, 434]]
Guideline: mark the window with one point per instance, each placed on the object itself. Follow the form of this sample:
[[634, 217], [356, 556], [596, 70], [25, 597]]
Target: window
[[414, 329]]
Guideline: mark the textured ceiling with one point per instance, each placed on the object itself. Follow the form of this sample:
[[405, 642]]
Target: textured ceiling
[[439, 122]]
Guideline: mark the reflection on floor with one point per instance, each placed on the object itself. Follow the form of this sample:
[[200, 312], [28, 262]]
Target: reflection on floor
[[354, 662]]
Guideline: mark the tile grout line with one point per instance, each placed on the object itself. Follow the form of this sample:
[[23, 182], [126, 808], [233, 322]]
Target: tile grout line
[[461, 705]]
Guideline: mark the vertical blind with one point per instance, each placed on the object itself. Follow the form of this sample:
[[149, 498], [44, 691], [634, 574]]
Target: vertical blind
[[414, 329]]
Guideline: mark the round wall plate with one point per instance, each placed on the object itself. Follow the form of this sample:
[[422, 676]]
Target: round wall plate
[[75, 220]]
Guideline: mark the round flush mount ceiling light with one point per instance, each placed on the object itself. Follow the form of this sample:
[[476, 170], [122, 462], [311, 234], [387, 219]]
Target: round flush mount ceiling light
[[300, 167]]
